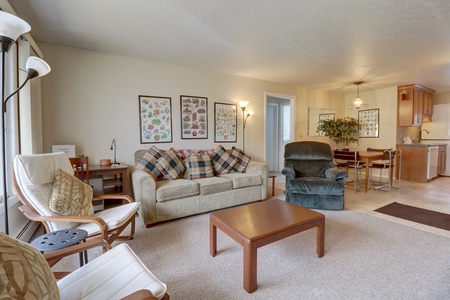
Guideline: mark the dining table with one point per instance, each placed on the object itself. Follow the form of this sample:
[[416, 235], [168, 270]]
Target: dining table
[[367, 157]]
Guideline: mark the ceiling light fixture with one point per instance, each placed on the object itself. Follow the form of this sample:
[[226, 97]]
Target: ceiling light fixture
[[357, 103]]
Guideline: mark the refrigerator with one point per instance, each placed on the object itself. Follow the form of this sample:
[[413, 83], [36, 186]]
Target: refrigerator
[[439, 130]]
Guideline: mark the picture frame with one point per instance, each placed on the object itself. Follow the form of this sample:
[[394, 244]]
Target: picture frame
[[225, 122], [325, 117], [194, 117], [369, 120], [155, 117]]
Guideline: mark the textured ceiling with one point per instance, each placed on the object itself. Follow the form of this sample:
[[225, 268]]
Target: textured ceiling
[[323, 44]]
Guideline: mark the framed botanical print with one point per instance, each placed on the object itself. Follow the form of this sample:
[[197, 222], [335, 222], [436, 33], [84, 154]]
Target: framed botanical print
[[155, 114], [194, 117], [368, 120], [225, 122]]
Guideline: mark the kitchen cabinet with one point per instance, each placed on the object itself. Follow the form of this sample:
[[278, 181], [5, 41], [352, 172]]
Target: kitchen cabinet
[[414, 162], [442, 159], [415, 103], [418, 165]]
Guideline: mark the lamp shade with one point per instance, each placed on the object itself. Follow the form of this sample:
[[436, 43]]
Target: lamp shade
[[38, 65], [243, 104], [250, 113], [11, 26]]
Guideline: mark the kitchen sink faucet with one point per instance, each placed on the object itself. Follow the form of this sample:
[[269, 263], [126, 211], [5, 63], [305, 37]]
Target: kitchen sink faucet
[[419, 134]]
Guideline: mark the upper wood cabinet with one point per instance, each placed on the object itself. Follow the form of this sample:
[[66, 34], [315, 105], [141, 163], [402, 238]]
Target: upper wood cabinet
[[415, 103]]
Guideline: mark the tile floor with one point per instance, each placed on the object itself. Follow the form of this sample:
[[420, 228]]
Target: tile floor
[[434, 195]]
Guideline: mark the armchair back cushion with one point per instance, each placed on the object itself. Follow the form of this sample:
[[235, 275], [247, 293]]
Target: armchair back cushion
[[34, 175], [308, 159]]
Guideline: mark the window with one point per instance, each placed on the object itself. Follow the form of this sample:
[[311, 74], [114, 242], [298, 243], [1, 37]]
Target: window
[[286, 119], [11, 121]]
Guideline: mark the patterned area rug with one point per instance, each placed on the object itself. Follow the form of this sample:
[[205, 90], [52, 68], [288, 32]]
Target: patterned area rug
[[416, 214]]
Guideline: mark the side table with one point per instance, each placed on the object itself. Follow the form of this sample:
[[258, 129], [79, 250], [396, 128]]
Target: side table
[[62, 239], [272, 176]]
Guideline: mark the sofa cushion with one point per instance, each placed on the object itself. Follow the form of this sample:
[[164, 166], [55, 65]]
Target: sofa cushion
[[241, 180], [242, 160], [174, 189], [214, 185], [70, 196], [148, 162], [170, 165], [223, 161], [200, 166]]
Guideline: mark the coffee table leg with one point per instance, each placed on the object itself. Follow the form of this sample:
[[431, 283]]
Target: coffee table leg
[[321, 238], [212, 239], [250, 260]]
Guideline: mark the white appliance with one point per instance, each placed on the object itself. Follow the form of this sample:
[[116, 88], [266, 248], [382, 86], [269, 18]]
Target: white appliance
[[432, 163], [439, 130]]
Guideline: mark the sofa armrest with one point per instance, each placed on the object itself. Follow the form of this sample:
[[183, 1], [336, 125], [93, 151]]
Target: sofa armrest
[[262, 169], [144, 190]]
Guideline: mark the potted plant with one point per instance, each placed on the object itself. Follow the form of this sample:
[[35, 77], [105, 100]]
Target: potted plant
[[341, 131]]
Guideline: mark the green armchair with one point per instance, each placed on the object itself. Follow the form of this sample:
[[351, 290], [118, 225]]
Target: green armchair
[[312, 181]]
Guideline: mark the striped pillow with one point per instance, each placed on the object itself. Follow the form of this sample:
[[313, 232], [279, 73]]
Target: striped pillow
[[170, 165], [200, 166], [242, 160], [223, 162], [148, 160]]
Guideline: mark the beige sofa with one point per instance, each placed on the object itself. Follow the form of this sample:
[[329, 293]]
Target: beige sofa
[[170, 199]]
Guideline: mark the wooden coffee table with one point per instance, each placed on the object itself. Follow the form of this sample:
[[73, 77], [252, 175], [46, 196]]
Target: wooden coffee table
[[259, 224]]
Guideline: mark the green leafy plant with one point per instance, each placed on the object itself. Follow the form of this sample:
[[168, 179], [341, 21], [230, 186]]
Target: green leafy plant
[[341, 131]]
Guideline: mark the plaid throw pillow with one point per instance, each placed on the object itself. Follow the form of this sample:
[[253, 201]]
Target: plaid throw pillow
[[223, 162], [148, 160], [200, 166], [170, 165], [242, 160]]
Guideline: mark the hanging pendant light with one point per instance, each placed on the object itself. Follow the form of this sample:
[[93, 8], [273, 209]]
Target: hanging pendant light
[[357, 103]]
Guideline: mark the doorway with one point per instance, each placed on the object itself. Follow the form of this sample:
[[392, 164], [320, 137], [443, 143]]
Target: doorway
[[279, 128]]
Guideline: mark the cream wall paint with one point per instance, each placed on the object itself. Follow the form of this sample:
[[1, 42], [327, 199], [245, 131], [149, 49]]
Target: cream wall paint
[[386, 100], [90, 98]]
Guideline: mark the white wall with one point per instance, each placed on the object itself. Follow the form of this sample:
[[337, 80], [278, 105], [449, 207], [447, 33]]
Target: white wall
[[90, 98]]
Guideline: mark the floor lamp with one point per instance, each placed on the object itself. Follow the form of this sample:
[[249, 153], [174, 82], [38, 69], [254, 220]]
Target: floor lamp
[[11, 27], [243, 105]]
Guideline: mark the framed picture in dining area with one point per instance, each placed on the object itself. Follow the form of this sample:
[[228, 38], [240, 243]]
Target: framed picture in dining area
[[225, 122], [368, 120], [194, 117], [155, 115]]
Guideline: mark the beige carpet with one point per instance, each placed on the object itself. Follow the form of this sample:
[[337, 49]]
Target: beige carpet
[[365, 258]]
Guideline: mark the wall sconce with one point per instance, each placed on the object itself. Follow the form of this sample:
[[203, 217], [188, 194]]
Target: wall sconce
[[243, 105], [11, 27]]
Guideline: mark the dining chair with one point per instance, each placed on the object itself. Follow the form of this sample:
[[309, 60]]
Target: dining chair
[[391, 158], [80, 167], [352, 161]]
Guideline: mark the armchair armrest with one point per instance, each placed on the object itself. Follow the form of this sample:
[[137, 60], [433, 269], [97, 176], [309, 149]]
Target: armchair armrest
[[335, 173], [32, 215], [53, 257], [289, 173]]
